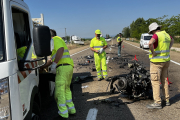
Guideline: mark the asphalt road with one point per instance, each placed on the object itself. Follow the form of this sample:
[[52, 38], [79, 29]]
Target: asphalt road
[[88, 94]]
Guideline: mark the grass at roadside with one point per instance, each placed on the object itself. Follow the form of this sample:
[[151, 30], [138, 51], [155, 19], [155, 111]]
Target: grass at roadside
[[176, 45], [73, 46], [175, 50]]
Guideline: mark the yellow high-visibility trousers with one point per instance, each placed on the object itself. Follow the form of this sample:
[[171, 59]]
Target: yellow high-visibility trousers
[[100, 60], [63, 95]]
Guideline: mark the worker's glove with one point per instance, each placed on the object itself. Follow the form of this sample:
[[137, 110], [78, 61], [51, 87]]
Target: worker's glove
[[101, 50], [53, 68]]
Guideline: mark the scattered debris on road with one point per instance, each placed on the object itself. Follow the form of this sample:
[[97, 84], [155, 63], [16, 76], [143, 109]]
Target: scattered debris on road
[[89, 57], [109, 101], [85, 86]]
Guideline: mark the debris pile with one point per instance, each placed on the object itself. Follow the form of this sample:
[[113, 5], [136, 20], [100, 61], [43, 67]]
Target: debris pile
[[135, 84]]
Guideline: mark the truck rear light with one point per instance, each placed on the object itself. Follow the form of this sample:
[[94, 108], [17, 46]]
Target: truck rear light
[[4, 100]]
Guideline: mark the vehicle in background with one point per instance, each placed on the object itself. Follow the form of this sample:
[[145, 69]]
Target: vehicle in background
[[108, 39], [144, 40], [76, 40]]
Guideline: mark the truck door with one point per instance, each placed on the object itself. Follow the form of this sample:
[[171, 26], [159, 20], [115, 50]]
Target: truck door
[[23, 38]]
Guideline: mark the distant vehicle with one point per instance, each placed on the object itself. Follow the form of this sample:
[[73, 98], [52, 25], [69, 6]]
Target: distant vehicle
[[108, 39], [76, 40], [144, 40], [127, 38]]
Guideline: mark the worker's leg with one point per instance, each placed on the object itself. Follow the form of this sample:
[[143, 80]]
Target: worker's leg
[[164, 75], [119, 50], [104, 65], [69, 102], [98, 65], [155, 71], [60, 84]]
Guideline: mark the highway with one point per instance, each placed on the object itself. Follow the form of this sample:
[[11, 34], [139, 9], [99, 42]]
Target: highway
[[88, 95]]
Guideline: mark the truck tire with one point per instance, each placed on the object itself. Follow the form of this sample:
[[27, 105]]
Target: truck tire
[[36, 115]]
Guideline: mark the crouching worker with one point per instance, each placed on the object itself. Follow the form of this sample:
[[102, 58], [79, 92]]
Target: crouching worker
[[62, 66]]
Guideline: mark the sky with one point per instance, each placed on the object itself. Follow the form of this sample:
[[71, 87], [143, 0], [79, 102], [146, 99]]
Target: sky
[[83, 17]]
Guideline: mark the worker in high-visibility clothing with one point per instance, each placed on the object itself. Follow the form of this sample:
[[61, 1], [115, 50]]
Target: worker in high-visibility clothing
[[62, 65], [119, 40], [98, 46], [20, 52], [159, 55]]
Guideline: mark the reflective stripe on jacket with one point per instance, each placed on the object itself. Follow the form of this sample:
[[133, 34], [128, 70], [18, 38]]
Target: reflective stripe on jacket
[[162, 48]]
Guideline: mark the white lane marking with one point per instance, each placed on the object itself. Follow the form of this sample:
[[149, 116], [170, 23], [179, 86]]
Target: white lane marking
[[92, 114], [148, 51], [175, 62], [79, 51]]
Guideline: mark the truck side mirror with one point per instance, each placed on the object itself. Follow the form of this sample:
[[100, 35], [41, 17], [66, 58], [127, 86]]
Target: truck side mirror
[[41, 39]]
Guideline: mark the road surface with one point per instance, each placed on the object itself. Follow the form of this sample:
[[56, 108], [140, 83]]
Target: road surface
[[88, 95]]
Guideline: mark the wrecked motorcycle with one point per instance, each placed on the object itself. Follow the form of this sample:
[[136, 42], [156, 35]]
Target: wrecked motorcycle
[[135, 84]]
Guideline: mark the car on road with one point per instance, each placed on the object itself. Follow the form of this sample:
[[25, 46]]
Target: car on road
[[78, 42], [108, 39], [144, 40]]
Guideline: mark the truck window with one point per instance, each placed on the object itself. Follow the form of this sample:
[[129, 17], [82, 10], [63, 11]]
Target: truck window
[[21, 32]]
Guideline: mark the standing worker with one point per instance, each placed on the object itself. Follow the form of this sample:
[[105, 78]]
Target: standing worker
[[119, 40], [62, 66], [159, 45], [98, 46]]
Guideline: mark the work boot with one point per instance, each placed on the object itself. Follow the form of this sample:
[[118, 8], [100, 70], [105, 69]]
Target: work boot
[[106, 78], [167, 103], [154, 106], [99, 79]]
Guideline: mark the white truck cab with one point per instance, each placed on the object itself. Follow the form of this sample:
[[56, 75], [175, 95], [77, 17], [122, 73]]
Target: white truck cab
[[19, 76], [76, 40]]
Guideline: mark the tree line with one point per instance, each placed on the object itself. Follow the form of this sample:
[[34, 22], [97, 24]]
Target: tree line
[[170, 25]]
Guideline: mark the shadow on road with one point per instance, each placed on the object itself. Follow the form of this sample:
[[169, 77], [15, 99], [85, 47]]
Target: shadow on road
[[115, 109]]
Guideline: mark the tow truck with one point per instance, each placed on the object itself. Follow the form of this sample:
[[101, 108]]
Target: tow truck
[[20, 80]]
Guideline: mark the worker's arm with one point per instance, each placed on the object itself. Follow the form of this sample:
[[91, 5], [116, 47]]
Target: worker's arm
[[94, 50], [151, 42], [59, 54], [49, 62], [171, 44], [105, 47]]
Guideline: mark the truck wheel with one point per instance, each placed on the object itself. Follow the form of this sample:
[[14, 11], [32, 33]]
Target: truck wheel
[[36, 112], [140, 46]]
